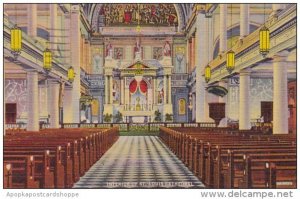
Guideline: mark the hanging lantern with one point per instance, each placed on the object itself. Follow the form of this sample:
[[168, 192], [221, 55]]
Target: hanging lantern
[[138, 28], [264, 41], [71, 74], [230, 62], [207, 73], [16, 41], [47, 55]]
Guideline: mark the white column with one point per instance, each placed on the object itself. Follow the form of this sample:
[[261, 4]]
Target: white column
[[53, 27], [110, 89], [244, 105], [223, 28], [154, 91], [244, 20], [100, 115], [201, 60], [280, 96], [32, 20], [170, 89], [53, 103], [67, 108], [165, 89], [106, 89], [224, 99], [122, 91], [71, 105], [194, 107], [32, 101]]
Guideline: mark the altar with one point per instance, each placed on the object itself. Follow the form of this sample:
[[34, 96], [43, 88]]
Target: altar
[[138, 89]]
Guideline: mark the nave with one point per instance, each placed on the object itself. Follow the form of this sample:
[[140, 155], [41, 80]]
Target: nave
[[139, 162]]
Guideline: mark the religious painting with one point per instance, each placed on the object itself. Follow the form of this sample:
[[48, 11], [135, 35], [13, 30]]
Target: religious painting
[[134, 14], [157, 53], [97, 60], [179, 60], [181, 107], [118, 53], [95, 107], [160, 94], [116, 91]]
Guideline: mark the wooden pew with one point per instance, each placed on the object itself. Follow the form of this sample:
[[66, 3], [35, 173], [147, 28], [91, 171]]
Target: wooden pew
[[70, 153], [22, 171], [205, 152]]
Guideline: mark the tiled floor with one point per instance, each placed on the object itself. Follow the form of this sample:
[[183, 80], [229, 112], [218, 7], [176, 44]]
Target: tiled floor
[[139, 162]]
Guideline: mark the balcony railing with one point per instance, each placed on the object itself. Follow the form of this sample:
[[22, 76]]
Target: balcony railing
[[282, 36]]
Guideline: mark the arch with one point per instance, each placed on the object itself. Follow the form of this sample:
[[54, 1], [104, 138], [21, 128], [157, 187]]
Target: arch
[[93, 15]]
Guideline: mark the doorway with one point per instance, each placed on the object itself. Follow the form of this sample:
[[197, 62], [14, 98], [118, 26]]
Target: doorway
[[10, 113], [267, 111]]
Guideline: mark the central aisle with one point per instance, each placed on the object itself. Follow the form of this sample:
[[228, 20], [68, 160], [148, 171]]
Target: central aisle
[[139, 162]]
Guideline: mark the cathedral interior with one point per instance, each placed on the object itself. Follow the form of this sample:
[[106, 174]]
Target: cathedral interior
[[141, 66]]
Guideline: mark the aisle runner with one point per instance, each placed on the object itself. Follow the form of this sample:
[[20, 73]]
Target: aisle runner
[[139, 162]]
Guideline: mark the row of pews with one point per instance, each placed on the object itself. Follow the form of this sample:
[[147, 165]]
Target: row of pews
[[53, 158], [223, 158]]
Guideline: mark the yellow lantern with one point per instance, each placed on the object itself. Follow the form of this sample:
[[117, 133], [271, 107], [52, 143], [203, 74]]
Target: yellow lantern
[[138, 28], [71, 74], [16, 40], [264, 41], [230, 62], [207, 73], [47, 55]]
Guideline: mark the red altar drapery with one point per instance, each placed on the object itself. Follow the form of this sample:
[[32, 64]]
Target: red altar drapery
[[143, 86], [134, 85]]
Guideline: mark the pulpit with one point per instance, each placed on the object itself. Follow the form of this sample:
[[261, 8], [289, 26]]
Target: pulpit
[[217, 111]]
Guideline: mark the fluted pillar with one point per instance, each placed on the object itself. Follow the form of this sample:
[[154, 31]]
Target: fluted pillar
[[32, 101], [193, 49], [32, 19], [53, 103], [244, 105], [169, 89], [106, 89], [154, 90], [244, 20], [111, 98], [165, 89], [223, 28], [53, 27], [122, 92], [280, 96]]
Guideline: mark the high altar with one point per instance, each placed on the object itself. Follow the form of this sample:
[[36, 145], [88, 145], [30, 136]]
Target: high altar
[[139, 89]]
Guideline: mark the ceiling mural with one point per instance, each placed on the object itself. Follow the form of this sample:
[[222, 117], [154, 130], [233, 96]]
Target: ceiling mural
[[134, 14], [118, 15]]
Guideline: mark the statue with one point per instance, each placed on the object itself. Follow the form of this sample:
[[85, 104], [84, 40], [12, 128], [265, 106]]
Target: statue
[[108, 50], [167, 49], [138, 106]]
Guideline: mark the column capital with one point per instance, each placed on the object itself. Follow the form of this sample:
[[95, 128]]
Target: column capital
[[245, 72], [53, 81], [281, 56]]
